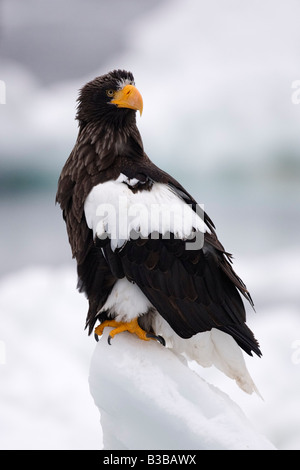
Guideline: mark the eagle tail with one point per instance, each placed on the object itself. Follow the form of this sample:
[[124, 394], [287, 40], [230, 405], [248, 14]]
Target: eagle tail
[[244, 338]]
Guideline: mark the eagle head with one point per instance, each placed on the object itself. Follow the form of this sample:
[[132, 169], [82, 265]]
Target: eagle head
[[112, 97]]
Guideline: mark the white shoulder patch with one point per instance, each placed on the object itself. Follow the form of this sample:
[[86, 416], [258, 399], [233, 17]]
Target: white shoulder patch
[[124, 179], [112, 209]]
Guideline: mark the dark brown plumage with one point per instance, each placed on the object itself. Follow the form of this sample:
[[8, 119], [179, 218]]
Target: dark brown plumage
[[193, 290]]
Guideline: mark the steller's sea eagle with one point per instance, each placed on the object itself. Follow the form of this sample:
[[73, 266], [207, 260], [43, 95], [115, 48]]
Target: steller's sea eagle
[[148, 257]]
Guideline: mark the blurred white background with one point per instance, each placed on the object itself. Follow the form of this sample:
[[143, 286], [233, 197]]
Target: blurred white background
[[216, 77]]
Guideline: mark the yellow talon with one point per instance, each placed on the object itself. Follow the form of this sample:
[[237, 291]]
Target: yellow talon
[[100, 328], [131, 327]]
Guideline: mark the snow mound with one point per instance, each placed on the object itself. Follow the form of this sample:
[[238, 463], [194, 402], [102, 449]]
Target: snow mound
[[150, 399], [44, 397]]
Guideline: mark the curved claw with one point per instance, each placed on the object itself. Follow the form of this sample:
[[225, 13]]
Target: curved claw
[[96, 337], [109, 340], [159, 338]]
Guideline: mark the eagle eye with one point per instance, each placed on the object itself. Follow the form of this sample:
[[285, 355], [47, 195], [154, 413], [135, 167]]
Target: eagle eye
[[110, 93]]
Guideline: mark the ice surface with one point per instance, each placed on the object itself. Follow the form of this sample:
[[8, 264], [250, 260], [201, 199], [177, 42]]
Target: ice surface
[[150, 399], [44, 397]]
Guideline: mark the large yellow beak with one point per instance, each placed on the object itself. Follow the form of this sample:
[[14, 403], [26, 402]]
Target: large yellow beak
[[129, 97]]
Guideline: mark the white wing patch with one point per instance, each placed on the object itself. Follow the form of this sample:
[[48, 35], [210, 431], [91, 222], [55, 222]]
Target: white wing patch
[[112, 209]]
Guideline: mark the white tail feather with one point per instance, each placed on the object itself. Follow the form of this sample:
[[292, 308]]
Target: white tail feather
[[210, 348]]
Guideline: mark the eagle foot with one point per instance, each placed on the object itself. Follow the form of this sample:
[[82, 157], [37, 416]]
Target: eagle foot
[[131, 327]]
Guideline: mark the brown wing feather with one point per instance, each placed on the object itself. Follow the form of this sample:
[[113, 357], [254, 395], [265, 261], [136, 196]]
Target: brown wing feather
[[81, 172]]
